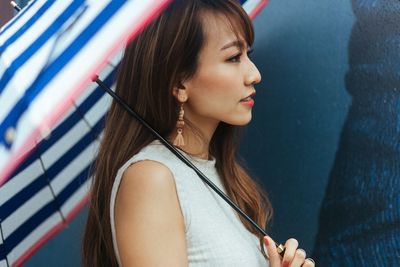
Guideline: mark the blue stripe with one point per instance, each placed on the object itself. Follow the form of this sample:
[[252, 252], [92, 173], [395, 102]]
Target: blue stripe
[[49, 209], [74, 185], [21, 197], [75, 117], [27, 25], [27, 227], [71, 154], [18, 17], [51, 71], [68, 123], [35, 186], [38, 43], [30, 225]]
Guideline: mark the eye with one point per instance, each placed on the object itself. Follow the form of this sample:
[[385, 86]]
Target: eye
[[235, 58]]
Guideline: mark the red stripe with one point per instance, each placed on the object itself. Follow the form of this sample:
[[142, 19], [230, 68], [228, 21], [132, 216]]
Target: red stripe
[[53, 118], [52, 232], [258, 8], [29, 252]]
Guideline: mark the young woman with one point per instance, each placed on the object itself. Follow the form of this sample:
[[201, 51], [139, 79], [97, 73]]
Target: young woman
[[189, 75]]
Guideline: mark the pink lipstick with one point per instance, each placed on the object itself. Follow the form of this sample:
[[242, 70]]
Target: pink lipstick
[[248, 100]]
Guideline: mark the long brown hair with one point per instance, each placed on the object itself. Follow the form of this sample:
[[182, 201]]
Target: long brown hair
[[164, 54]]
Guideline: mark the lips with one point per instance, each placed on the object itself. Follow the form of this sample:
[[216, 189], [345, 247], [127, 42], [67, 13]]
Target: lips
[[248, 98]]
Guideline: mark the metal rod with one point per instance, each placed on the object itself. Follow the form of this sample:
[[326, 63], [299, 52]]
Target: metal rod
[[281, 248], [15, 6]]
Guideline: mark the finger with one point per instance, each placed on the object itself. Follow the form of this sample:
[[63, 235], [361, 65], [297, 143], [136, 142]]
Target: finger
[[274, 258], [299, 257], [309, 263], [291, 246]]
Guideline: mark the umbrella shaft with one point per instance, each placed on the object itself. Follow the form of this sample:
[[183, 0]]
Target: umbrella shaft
[[180, 156]]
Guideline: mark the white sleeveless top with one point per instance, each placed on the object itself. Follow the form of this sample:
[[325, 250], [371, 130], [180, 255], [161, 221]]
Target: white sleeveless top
[[215, 236]]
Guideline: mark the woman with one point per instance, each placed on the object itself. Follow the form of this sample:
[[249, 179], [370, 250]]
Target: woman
[[189, 75]]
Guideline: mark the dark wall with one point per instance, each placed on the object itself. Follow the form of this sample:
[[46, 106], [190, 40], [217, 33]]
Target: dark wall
[[6, 12], [301, 104], [301, 52]]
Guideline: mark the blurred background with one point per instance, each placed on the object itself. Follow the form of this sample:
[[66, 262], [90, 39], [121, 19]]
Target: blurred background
[[301, 105]]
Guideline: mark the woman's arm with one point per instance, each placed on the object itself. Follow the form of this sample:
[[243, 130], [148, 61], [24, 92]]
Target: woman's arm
[[149, 224]]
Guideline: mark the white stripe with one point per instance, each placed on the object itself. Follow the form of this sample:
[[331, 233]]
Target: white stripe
[[34, 237], [65, 116], [117, 58], [76, 198], [77, 165], [25, 211], [4, 159], [3, 263], [22, 20], [98, 110], [51, 101], [26, 40], [69, 139], [26, 74], [250, 5], [22, 78], [56, 91], [66, 142], [93, 86], [19, 182], [84, 60], [90, 14]]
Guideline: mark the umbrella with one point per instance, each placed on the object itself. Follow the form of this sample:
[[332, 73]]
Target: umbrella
[[45, 176]]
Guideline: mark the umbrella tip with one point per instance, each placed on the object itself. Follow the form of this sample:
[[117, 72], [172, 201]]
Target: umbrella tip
[[95, 77], [15, 6]]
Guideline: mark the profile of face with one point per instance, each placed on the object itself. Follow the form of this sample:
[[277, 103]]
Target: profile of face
[[225, 75]]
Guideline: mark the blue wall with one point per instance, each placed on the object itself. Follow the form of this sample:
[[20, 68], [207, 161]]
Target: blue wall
[[301, 104]]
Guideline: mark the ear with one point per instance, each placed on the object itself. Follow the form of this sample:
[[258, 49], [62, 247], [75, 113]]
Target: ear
[[180, 92]]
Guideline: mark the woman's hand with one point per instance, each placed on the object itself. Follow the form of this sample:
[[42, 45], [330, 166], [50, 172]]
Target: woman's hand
[[294, 257]]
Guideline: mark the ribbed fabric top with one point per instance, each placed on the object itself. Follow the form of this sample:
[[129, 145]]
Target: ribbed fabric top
[[215, 235]]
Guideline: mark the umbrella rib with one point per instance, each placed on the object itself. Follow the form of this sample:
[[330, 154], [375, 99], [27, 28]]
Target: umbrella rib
[[96, 136], [49, 185], [4, 244]]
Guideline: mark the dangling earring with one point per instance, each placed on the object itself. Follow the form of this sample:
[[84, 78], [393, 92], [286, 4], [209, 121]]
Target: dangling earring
[[179, 141]]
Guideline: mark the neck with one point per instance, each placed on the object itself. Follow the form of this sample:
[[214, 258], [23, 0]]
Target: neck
[[196, 144]]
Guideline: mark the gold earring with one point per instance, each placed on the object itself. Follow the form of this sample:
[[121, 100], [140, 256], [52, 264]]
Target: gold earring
[[179, 141]]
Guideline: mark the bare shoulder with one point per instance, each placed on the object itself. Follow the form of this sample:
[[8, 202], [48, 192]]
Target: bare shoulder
[[149, 223], [148, 173]]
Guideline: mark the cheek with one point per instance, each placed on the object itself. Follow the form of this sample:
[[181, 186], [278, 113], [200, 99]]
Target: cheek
[[218, 88], [213, 102]]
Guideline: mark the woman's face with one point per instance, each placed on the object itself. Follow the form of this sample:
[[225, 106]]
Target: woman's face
[[225, 76]]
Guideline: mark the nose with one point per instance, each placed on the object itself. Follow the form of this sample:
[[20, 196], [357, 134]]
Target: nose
[[253, 76]]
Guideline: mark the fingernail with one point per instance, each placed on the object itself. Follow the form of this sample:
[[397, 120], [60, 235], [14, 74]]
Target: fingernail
[[266, 241], [311, 260], [285, 264]]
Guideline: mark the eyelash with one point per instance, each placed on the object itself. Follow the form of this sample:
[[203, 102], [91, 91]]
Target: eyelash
[[237, 57]]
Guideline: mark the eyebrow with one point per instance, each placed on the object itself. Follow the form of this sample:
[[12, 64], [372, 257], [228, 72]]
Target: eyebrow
[[236, 43]]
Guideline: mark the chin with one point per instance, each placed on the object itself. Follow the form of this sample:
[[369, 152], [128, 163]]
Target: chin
[[240, 121]]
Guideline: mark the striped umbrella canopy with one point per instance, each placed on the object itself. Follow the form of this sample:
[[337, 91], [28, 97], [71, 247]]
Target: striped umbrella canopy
[[51, 116]]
